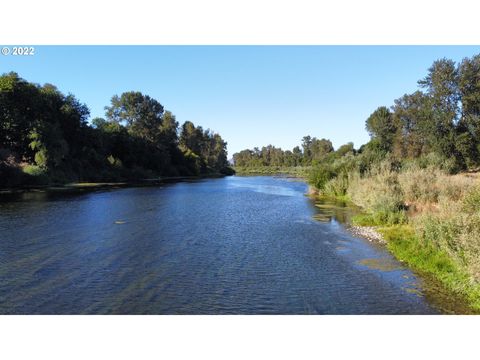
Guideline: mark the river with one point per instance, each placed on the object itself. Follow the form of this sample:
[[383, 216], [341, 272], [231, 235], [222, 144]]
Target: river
[[233, 245]]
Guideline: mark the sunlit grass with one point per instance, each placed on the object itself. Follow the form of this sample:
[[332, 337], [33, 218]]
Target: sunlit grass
[[403, 242]]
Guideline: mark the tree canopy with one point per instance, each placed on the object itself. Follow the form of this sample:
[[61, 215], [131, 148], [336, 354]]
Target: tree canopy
[[45, 136]]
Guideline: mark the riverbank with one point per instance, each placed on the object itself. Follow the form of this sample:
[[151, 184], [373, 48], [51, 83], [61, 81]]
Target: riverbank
[[368, 232], [448, 273], [433, 263], [445, 283], [294, 171]]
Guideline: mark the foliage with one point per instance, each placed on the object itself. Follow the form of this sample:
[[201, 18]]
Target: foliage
[[381, 127], [47, 133], [320, 175]]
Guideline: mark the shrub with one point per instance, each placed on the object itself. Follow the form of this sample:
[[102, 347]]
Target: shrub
[[34, 170], [320, 175], [337, 186], [377, 190], [420, 184], [433, 160], [35, 175]]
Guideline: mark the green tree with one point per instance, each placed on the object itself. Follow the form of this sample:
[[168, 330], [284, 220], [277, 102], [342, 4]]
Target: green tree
[[345, 150], [381, 127], [140, 114], [320, 149], [469, 124], [415, 126], [441, 84]]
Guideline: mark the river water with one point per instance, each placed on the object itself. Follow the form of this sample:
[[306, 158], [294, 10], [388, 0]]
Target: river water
[[235, 245]]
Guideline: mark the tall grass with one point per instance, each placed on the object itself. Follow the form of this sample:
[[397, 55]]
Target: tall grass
[[455, 228], [379, 193], [430, 218]]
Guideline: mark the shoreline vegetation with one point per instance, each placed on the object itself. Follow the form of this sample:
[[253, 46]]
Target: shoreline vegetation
[[46, 140], [293, 171], [417, 180]]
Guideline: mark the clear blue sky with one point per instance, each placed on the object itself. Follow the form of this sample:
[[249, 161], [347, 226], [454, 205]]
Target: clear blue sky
[[252, 96]]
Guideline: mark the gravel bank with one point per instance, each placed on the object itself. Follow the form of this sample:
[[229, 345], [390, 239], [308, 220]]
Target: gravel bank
[[367, 232]]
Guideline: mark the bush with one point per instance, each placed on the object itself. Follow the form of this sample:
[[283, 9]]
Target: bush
[[380, 194], [420, 184], [320, 175], [433, 160], [378, 189], [337, 186], [33, 170]]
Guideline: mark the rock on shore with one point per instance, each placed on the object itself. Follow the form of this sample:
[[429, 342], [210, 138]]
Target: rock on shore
[[367, 232]]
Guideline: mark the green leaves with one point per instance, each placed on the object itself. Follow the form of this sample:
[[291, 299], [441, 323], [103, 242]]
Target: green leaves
[[43, 128]]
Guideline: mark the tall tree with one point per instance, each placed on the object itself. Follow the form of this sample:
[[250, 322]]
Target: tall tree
[[381, 127], [415, 127], [141, 114], [441, 84]]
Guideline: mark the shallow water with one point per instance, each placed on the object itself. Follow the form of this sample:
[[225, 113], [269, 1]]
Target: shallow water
[[235, 245]]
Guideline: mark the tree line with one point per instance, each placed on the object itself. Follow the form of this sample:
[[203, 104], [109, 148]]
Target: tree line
[[444, 118], [312, 151], [438, 123], [45, 137]]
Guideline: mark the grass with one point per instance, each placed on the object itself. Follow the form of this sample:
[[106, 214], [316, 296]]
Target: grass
[[405, 245], [429, 219]]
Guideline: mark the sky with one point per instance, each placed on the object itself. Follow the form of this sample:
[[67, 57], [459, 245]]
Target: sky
[[252, 95]]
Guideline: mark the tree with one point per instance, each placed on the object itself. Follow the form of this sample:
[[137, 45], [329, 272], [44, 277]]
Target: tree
[[306, 146], [297, 155], [48, 130], [441, 84], [320, 149], [189, 137], [381, 127], [346, 149], [169, 129], [414, 122], [141, 114], [19, 108], [469, 124]]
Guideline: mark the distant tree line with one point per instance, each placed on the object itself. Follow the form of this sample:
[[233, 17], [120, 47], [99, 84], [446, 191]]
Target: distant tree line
[[312, 151], [45, 137], [438, 124]]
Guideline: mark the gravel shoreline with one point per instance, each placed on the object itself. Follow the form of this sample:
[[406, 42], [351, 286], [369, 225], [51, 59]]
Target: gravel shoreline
[[367, 232]]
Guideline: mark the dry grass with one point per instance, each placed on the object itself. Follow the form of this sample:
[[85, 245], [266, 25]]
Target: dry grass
[[443, 209], [379, 193]]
